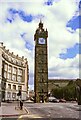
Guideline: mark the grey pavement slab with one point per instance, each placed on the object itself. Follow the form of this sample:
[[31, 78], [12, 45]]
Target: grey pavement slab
[[11, 110]]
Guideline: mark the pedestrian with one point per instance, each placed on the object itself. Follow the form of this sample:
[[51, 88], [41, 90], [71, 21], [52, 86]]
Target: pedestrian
[[21, 105]]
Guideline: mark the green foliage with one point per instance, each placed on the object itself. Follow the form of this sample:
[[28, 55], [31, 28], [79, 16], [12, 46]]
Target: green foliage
[[57, 92], [68, 92]]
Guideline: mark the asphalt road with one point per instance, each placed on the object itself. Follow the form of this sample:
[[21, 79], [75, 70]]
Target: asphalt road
[[50, 111], [53, 110]]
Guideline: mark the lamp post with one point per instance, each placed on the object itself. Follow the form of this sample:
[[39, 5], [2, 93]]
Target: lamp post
[[19, 96], [19, 92]]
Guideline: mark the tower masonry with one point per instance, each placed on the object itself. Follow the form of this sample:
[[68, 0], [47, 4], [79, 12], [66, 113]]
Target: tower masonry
[[41, 65]]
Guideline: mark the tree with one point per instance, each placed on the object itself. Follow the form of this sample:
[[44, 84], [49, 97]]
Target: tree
[[68, 92]]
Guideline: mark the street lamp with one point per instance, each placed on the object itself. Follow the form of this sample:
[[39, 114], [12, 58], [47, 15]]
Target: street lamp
[[19, 92], [19, 95]]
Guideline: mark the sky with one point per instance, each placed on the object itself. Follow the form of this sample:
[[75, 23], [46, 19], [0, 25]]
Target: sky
[[19, 21]]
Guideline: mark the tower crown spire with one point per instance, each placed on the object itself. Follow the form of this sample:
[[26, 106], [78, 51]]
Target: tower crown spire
[[40, 24]]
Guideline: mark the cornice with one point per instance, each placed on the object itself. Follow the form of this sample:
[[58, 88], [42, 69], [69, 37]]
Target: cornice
[[12, 58]]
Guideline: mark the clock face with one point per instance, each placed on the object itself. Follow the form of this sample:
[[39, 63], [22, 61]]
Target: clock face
[[41, 41]]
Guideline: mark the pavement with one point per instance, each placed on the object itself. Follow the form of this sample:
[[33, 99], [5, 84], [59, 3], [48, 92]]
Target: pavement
[[11, 110]]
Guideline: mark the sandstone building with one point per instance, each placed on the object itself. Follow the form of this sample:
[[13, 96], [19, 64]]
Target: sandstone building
[[14, 75]]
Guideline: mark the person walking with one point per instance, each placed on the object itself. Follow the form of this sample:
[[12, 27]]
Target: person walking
[[21, 105]]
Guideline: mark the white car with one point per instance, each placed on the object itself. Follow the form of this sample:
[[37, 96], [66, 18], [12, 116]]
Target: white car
[[53, 99]]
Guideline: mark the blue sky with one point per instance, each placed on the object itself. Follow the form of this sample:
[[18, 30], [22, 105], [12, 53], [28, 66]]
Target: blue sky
[[49, 2], [71, 52], [19, 21], [25, 17], [12, 12]]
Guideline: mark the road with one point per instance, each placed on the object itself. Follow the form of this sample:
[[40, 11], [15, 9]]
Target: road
[[51, 111]]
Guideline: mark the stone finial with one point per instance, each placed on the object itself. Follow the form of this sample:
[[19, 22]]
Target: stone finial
[[40, 24], [22, 57], [26, 59], [17, 55], [4, 47], [7, 50], [1, 43]]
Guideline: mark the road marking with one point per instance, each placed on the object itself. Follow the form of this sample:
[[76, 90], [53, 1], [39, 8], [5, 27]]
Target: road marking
[[28, 116], [20, 118]]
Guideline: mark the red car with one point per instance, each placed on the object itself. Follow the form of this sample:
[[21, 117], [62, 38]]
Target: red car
[[62, 100]]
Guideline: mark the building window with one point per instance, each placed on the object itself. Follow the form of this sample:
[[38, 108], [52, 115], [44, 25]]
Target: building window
[[8, 95], [14, 70], [9, 86], [14, 77], [9, 76], [19, 79], [20, 63], [9, 59], [14, 95], [19, 71], [14, 87], [9, 68], [5, 68], [19, 87], [5, 74], [14, 61]]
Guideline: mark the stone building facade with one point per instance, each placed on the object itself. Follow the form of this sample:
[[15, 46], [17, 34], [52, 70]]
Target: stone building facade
[[14, 75]]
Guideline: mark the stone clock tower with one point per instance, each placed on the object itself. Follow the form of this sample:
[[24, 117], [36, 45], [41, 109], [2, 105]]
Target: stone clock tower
[[41, 65]]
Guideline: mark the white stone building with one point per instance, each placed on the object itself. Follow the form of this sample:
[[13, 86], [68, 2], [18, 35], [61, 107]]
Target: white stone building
[[14, 75]]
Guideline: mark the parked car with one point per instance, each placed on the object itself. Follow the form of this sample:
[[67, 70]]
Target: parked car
[[53, 99], [32, 98], [62, 100]]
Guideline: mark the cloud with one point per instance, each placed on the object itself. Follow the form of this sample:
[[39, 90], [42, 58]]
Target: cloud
[[28, 45], [60, 68], [17, 31]]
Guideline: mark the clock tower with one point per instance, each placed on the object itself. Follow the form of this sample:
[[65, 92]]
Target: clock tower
[[41, 65]]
